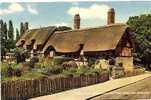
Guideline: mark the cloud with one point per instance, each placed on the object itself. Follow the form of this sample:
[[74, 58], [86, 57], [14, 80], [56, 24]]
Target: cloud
[[61, 24], [75, 4], [12, 8], [32, 10], [95, 11]]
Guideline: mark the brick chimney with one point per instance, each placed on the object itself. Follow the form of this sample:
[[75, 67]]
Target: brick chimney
[[111, 16], [77, 21]]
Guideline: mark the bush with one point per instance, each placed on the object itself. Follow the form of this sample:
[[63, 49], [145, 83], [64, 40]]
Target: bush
[[10, 71], [70, 72], [23, 66], [91, 61], [56, 70], [33, 61], [20, 55], [52, 70], [83, 70], [18, 72], [4, 69], [57, 61], [120, 64], [69, 64], [111, 62]]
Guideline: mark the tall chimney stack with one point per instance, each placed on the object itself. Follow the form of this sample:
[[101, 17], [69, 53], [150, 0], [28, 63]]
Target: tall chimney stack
[[77, 21], [111, 16]]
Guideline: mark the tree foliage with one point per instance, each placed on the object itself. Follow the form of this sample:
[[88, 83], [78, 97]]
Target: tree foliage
[[5, 30], [20, 55], [17, 35], [11, 31], [142, 27], [21, 28], [3, 35]]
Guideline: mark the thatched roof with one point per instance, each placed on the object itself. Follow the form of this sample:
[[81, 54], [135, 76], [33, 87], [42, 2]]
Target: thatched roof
[[94, 39], [105, 38], [26, 36], [39, 35]]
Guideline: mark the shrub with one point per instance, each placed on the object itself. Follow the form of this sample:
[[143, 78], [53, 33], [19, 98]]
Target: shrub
[[18, 72], [70, 72], [52, 70], [23, 66], [20, 55], [56, 69], [39, 65], [91, 61], [96, 71], [4, 69], [120, 64], [111, 62], [10, 71], [69, 64], [93, 71], [57, 61], [33, 61]]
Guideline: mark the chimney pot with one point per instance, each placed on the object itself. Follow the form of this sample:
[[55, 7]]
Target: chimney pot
[[111, 16], [77, 21]]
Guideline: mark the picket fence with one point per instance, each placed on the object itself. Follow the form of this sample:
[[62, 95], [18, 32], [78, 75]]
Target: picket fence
[[25, 89]]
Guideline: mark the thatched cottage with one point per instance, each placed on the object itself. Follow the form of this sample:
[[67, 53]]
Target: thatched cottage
[[112, 40]]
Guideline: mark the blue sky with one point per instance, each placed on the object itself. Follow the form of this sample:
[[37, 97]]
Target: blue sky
[[61, 13]]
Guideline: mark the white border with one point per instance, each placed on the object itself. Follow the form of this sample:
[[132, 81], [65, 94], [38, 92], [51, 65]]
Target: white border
[[67, 0]]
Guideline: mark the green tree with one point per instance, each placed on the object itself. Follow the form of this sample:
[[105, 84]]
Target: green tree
[[21, 28], [2, 38], [26, 26], [2, 28], [10, 42], [5, 31], [17, 35], [11, 31], [142, 27]]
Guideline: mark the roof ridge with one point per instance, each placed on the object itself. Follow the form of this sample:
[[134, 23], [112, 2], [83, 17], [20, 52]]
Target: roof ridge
[[46, 27], [104, 26]]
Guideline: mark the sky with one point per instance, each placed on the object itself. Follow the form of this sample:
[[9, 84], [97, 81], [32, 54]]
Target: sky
[[61, 13]]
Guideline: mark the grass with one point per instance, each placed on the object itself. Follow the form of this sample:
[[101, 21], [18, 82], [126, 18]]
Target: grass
[[25, 76]]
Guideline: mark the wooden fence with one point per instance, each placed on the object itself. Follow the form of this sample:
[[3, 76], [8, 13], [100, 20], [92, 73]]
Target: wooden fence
[[25, 89]]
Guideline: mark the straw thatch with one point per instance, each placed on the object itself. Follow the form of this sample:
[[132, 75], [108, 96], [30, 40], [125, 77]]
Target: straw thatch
[[93, 39], [39, 35], [26, 36]]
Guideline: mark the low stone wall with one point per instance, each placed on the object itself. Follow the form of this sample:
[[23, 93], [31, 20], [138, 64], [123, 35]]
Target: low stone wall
[[134, 72], [119, 72], [126, 61]]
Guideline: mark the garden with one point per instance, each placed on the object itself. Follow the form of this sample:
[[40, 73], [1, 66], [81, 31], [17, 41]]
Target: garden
[[37, 67], [26, 77]]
